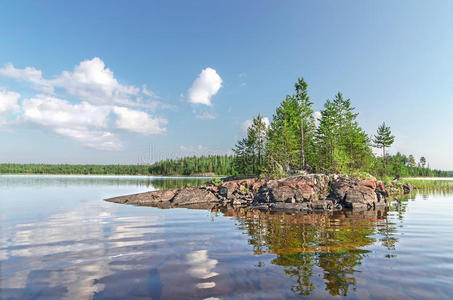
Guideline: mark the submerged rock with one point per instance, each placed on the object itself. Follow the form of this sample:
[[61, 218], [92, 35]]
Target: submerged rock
[[303, 193]]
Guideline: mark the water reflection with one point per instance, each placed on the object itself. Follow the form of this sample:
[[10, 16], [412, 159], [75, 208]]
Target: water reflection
[[74, 245], [336, 243], [153, 182]]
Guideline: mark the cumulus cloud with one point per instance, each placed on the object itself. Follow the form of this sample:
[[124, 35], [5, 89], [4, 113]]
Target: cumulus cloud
[[8, 101], [51, 111], [205, 86], [81, 122], [95, 93], [90, 81], [247, 123], [138, 121], [29, 74]]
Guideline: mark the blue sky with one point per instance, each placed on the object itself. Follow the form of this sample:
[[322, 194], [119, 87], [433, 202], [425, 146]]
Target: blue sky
[[101, 81]]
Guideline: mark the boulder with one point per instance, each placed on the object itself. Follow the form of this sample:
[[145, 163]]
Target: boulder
[[281, 194], [147, 198], [193, 195]]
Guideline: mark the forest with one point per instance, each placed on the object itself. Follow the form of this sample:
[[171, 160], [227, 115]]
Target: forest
[[330, 141], [194, 165], [202, 165], [11, 168]]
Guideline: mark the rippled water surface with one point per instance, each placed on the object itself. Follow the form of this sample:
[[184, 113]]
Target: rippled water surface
[[59, 239]]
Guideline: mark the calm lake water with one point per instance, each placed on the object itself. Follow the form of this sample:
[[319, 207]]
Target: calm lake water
[[59, 239]]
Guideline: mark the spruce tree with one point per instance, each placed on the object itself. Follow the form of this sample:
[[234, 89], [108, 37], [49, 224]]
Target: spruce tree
[[341, 145], [249, 151], [291, 132], [383, 139]]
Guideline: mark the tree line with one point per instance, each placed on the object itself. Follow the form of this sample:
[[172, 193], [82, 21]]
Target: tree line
[[193, 165], [212, 164], [331, 142], [12, 168]]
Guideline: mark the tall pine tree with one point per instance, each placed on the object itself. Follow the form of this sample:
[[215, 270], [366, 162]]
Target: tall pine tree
[[383, 139]]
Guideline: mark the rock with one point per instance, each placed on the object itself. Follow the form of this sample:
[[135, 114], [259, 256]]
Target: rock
[[302, 193], [147, 198], [226, 189], [289, 207], [321, 205], [193, 195], [281, 194], [408, 188]]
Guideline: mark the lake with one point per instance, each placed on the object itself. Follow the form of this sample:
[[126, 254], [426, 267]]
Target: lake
[[59, 239]]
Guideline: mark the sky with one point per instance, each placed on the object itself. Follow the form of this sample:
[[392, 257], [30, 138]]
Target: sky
[[138, 81]]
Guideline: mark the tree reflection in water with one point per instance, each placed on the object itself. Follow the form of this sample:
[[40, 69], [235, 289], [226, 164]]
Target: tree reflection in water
[[334, 243]]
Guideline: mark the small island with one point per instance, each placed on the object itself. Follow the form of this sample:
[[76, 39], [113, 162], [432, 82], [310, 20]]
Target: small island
[[303, 161]]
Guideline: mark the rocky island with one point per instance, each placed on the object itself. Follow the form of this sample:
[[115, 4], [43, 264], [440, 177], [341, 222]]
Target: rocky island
[[303, 194]]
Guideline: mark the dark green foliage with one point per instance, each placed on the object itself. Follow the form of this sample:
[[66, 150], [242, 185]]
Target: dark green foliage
[[340, 144], [249, 151], [291, 133], [400, 165], [383, 139], [73, 169], [337, 145], [193, 165], [422, 162]]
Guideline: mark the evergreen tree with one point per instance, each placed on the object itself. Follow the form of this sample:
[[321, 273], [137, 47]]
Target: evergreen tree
[[307, 122], [422, 161], [249, 151], [383, 139], [411, 161], [341, 145], [291, 132]]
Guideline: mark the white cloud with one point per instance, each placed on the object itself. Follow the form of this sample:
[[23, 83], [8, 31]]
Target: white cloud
[[138, 121], [80, 122], [247, 123], [54, 112], [29, 74], [8, 101], [90, 81], [206, 116], [93, 82], [317, 115], [96, 92], [101, 140], [149, 93], [193, 149], [205, 86]]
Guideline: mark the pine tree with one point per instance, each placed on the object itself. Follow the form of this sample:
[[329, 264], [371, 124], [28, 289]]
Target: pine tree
[[422, 161], [383, 139], [341, 145], [291, 132], [249, 151], [307, 121]]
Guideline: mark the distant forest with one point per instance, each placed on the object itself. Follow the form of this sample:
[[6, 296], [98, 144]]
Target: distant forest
[[202, 165], [400, 165], [74, 169], [193, 165]]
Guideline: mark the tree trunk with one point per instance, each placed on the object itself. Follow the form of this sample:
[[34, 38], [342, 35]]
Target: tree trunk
[[302, 150]]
